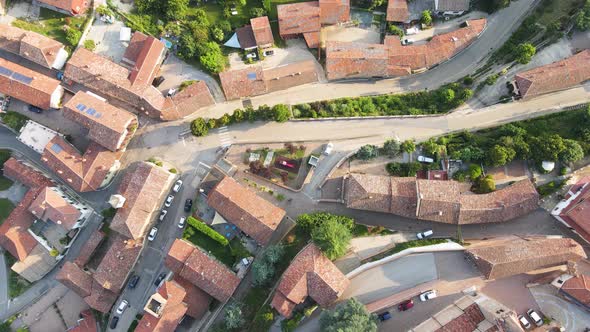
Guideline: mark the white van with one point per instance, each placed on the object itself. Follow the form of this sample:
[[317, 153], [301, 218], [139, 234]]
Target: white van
[[424, 235], [423, 159]]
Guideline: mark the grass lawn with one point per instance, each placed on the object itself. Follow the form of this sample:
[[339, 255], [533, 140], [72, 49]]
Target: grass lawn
[[14, 120], [215, 12], [228, 255], [6, 207], [558, 10], [16, 284], [50, 24]]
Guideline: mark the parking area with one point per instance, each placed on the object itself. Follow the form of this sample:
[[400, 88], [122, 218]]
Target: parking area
[[570, 316], [106, 37]]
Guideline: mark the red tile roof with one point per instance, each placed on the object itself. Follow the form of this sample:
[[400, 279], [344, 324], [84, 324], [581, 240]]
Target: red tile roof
[[87, 323], [254, 215], [502, 258], [74, 7], [577, 213], [555, 76], [172, 312], [185, 102], [29, 86], [113, 270], [196, 299], [148, 62], [74, 278], [89, 247], [84, 172], [144, 190], [298, 18], [578, 288], [107, 125], [101, 299], [334, 11], [24, 173], [310, 274], [246, 37], [466, 322], [262, 31], [438, 201], [30, 45], [132, 51], [312, 39], [256, 80], [51, 206], [397, 11], [347, 60], [201, 270]]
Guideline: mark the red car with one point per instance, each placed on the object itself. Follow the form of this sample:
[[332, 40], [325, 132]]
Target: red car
[[286, 164], [407, 304]]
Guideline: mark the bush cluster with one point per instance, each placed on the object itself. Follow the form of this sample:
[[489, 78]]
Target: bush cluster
[[264, 267], [210, 232], [309, 221]]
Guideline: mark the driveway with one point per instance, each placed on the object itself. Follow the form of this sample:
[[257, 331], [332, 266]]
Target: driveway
[[570, 316], [106, 38]]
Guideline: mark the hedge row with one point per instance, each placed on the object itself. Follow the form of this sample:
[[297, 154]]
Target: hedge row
[[210, 232]]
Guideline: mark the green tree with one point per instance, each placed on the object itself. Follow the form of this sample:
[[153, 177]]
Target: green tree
[[201, 35], [500, 155], [264, 268], [233, 318], [224, 25], [486, 185], [281, 113], [475, 172], [426, 17], [408, 146], [391, 147], [332, 238], [447, 95], [257, 12], [432, 147], [525, 52], [572, 151], [395, 30], [375, 3], [199, 17], [309, 221], [469, 154], [213, 62], [73, 36], [199, 127], [367, 152], [224, 120], [546, 147], [187, 46], [349, 316], [217, 33], [266, 5], [176, 9], [583, 17]]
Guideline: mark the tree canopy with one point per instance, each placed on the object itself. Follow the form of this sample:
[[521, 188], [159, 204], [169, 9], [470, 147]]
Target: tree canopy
[[525, 52], [367, 152], [332, 238], [348, 316]]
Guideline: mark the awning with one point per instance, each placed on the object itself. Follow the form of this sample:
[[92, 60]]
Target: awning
[[233, 42]]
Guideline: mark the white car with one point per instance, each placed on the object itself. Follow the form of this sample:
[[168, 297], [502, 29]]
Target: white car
[[328, 149], [412, 31], [171, 92], [181, 222], [169, 200], [163, 215], [424, 235], [535, 317], [250, 55], [524, 322], [152, 234], [177, 186], [423, 159], [122, 306], [429, 295]]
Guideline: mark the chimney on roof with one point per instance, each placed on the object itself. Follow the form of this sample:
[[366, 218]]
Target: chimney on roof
[[69, 180]]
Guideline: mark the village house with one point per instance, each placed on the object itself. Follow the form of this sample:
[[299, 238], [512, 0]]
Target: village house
[[574, 210], [68, 7], [32, 46], [257, 35]]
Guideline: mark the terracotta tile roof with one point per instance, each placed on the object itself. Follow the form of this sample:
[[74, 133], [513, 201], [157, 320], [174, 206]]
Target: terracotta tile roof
[[440, 201], [246, 37], [578, 288], [451, 5], [132, 51], [82, 172], [298, 18], [334, 11], [256, 80], [148, 62], [254, 215], [202, 270], [381, 193], [107, 125], [24, 173], [346, 60], [85, 324], [172, 312], [51, 206], [89, 247], [101, 299], [74, 278], [312, 39], [466, 322], [310, 274], [577, 212], [30, 45], [113, 270], [262, 32], [397, 11], [196, 299], [185, 102], [29, 86], [144, 190], [503, 258], [555, 76], [72, 6]]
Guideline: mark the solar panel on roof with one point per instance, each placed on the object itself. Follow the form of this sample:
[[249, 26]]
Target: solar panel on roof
[[98, 115], [81, 107], [252, 76], [5, 71], [22, 78], [56, 148], [91, 111]]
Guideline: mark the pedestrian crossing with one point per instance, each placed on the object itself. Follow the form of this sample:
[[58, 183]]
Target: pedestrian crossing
[[224, 137]]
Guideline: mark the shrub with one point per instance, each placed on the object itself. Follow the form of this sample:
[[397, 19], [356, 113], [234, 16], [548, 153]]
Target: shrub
[[468, 80], [391, 148], [257, 12], [210, 232], [491, 80], [173, 171], [263, 268], [475, 171], [309, 221], [408, 146], [53, 252], [289, 325], [403, 169], [367, 152], [233, 318], [281, 113], [89, 44], [395, 30], [525, 52], [73, 36], [199, 127], [186, 84], [426, 18], [159, 163]]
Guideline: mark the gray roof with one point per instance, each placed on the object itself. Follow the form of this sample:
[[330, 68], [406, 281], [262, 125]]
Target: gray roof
[[452, 5]]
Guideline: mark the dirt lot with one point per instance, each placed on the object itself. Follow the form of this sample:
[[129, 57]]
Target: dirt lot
[[514, 171], [337, 33]]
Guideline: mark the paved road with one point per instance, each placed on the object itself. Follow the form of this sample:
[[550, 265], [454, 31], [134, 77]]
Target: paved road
[[572, 317], [3, 285]]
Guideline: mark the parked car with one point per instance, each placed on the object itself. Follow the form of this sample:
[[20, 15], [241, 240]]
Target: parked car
[[423, 159], [158, 80], [425, 234], [188, 205], [153, 234], [133, 281], [328, 149], [34, 109], [114, 322], [160, 278], [122, 306], [251, 56], [384, 316], [406, 305], [407, 41], [268, 52], [535, 317], [163, 215], [524, 322], [429, 295], [412, 31], [169, 200], [177, 186], [181, 222]]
